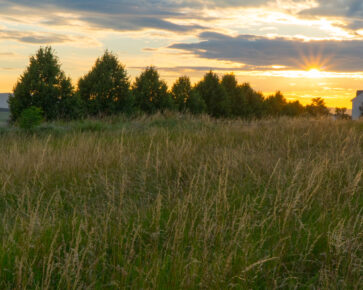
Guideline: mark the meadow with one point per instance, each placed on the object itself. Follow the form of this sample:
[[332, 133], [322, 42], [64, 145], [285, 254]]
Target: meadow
[[175, 202]]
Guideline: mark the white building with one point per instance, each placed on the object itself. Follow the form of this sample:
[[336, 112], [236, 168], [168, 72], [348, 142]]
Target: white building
[[357, 102], [4, 101]]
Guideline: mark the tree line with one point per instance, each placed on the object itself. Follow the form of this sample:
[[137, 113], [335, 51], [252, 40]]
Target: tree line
[[106, 90]]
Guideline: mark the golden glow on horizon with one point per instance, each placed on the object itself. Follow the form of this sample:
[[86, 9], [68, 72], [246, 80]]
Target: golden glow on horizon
[[314, 73], [311, 74]]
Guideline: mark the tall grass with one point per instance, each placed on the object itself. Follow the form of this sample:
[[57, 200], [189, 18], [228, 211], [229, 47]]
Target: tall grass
[[186, 202]]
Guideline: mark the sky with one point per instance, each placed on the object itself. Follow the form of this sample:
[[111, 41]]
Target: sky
[[304, 48]]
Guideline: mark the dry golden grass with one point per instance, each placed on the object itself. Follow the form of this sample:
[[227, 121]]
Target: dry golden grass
[[183, 202]]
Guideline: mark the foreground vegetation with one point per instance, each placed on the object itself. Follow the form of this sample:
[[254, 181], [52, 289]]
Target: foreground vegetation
[[182, 202]]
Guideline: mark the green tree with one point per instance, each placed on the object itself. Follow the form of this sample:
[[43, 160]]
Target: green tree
[[255, 106], [151, 94], [195, 103], [214, 95], [181, 92], [293, 109], [236, 95], [341, 114], [275, 104], [43, 85], [73, 108], [106, 88], [317, 108]]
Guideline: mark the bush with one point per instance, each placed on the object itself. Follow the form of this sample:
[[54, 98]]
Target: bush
[[30, 118], [341, 114]]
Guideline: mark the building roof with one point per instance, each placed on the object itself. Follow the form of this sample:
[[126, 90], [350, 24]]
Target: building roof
[[359, 93]]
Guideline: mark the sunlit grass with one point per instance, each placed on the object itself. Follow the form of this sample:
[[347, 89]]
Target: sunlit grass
[[182, 202]]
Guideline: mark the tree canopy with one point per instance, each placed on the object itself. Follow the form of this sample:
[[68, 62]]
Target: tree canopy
[[43, 85], [214, 95], [181, 92], [151, 94], [317, 108], [106, 88]]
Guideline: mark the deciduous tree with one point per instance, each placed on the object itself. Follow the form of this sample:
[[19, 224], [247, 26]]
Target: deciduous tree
[[43, 85], [214, 95], [181, 92], [151, 93], [317, 108], [106, 88]]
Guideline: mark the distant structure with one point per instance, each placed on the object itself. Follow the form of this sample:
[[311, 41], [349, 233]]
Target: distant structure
[[4, 101], [357, 103]]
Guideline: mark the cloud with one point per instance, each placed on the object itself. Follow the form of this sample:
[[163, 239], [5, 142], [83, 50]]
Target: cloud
[[259, 52], [134, 15], [8, 68], [7, 54], [132, 23], [126, 15], [350, 10], [194, 68], [36, 38], [347, 8]]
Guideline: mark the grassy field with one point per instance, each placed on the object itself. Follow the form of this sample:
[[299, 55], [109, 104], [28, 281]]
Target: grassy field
[[182, 202]]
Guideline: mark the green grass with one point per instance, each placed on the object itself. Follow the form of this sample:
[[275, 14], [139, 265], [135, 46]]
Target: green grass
[[180, 202]]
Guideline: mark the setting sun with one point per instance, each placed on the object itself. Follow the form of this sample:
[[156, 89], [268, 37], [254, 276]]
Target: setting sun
[[303, 48], [314, 73]]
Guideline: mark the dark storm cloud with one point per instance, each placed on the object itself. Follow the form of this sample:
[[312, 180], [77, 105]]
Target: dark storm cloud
[[260, 51]]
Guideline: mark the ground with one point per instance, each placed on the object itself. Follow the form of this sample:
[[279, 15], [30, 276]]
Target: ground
[[173, 202]]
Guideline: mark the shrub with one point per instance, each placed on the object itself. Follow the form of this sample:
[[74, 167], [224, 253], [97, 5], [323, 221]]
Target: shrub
[[341, 114], [30, 118]]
